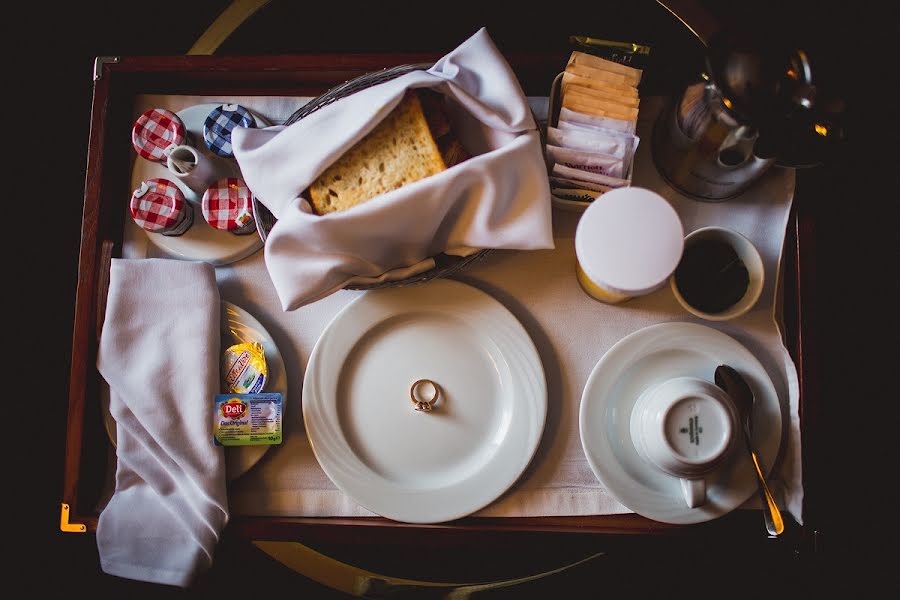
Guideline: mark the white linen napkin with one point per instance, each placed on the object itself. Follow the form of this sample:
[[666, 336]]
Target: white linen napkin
[[499, 198], [159, 353]]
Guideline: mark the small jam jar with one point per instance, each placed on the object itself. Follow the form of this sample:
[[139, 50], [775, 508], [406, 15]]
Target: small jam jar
[[628, 242], [219, 124], [157, 131], [159, 206], [228, 206]]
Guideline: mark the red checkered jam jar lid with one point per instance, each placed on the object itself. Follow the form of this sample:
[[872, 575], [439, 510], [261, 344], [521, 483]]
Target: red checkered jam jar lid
[[157, 205], [155, 131], [228, 205]]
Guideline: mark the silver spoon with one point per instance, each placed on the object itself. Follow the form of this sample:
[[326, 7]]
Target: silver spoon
[[736, 386]]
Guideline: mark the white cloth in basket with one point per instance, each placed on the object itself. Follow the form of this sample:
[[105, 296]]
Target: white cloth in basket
[[159, 353], [500, 198]]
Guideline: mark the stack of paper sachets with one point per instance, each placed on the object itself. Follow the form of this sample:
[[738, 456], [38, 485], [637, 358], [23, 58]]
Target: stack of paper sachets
[[591, 149]]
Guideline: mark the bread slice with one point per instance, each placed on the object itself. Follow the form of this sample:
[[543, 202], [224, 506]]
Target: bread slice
[[400, 150], [435, 113], [435, 108]]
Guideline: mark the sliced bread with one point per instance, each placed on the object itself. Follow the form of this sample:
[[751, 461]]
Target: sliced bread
[[400, 150]]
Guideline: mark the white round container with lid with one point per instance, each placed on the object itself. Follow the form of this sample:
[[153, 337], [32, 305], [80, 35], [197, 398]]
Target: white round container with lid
[[628, 243]]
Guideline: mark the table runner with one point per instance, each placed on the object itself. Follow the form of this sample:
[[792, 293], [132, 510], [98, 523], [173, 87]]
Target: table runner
[[571, 331]]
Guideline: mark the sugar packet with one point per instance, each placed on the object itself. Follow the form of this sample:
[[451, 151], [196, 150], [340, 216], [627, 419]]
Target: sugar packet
[[613, 143], [565, 183], [631, 74], [585, 176], [576, 194], [572, 116], [595, 162]]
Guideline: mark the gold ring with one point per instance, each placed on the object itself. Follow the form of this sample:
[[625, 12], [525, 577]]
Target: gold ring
[[424, 405]]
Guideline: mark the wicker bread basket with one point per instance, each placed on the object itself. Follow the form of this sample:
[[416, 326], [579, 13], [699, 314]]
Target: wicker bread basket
[[444, 264]]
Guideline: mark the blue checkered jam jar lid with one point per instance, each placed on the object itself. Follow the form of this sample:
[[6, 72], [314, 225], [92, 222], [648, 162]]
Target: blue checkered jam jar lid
[[219, 124]]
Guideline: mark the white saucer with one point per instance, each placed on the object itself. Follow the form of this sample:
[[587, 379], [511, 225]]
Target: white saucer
[[641, 360], [202, 241], [424, 467], [238, 326]]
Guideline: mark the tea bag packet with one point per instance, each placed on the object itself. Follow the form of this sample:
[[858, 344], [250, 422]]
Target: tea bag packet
[[594, 162], [566, 183], [630, 74], [595, 120], [576, 194], [594, 139], [580, 137], [586, 176], [588, 87], [574, 97]]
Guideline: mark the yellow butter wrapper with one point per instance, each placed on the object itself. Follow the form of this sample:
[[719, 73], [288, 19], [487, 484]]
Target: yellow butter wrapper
[[244, 368]]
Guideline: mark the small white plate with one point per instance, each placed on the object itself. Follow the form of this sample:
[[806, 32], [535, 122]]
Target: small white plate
[[238, 326], [202, 241], [648, 357], [424, 467]]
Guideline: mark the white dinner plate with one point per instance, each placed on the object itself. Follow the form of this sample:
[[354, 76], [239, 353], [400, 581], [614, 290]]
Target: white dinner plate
[[201, 241], [648, 357], [424, 467], [238, 326]]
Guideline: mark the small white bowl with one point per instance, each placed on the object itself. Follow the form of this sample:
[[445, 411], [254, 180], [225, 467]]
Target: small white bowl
[[748, 254]]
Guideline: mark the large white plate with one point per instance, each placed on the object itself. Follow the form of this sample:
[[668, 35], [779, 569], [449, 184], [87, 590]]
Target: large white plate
[[643, 359], [414, 466], [238, 326], [202, 241]]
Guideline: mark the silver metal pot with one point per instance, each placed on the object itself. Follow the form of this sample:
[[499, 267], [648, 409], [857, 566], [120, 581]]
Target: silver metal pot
[[702, 149]]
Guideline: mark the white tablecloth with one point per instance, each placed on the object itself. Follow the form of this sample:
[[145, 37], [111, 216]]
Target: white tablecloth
[[571, 331]]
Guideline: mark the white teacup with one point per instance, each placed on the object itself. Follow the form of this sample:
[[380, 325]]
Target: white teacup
[[747, 254], [685, 426]]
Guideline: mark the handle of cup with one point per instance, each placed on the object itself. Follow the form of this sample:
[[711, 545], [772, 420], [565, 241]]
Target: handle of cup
[[694, 491]]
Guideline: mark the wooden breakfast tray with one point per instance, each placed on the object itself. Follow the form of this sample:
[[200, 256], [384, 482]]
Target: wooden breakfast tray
[[117, 83]]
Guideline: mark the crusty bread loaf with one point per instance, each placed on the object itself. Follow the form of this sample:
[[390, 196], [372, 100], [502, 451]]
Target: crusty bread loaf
[[400, 150], [434, 105], [435, 113]]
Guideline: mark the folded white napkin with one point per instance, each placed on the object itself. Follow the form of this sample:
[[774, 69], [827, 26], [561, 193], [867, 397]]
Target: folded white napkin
[[500, 198], [159, 353]]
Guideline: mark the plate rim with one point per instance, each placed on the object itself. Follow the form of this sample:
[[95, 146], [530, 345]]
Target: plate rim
[[535, 416], [678, 512]]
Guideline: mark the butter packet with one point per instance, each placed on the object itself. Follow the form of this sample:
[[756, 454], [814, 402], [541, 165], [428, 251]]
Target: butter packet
[[247, 419], [244, 368]]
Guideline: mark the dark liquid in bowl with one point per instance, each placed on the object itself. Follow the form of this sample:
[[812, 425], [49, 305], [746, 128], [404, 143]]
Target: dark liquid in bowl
[[711, 277]]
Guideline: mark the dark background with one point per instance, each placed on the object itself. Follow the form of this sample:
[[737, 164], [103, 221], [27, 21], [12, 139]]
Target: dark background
[[47, 95]]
